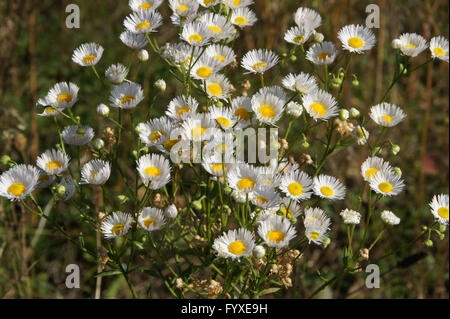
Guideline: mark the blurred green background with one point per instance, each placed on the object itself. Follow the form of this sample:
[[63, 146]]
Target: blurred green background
[[35, 53]]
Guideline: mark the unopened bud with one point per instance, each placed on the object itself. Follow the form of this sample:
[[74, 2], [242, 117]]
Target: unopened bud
[[442, 228], [81, 131], [103, 110], [355, 81], [160, 85], [376, 150], [397, 171], [441, 236], [122, 198], [354, 113], [259, 251], [326, 242], [143, 55], [171, 211], [227, 190], [395, 149], [5, 159], [219, 104], [60, 189], [98, 144], [197, 205], [428, 243], [318, 37], [396, 44], [344, 115], [293, 58], [305, 144]]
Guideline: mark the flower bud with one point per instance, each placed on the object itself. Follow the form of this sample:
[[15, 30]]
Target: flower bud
[[60, 189], [355, 81], [318, 37], [227, 190], [336, 82], [143, 55], [396, 44], [103, 110], [160, 85], [135, 154], [441, 236], [395, 149], [259, 252], [81, 131], [294, 110], [122, 198], [326, 242], [219, 104], [293, 58], [197, 205], [428, 243], [424, 228], [344, 115], [397, 171], [293, 220], [354, 113], [171, 211], [98, 144], [305, 144], [442, 228], [5, 160]]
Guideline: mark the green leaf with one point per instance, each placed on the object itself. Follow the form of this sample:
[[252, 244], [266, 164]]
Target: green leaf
[[269, 291], [108, 273]]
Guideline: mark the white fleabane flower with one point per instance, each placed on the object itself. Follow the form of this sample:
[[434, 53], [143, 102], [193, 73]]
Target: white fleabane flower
[[18, 182], [154, 169], [61, 96], [296, 185], [116, 224], [45, 179], [264, 196], [303, 83], [235, 4], [95, 172], [273, 90], [218, 87], [297, 35], [223, 116], [143, 21], [268, 108], [439, 208], [126, 95], [215, 165], [116, 73], [182, 107], [87, 54], [208, 3], [439, 48], [373, 165], [151, 219], [205, 67], [389, 218], [356, 38], [387, 183], [184, 8], [134, 40], [386, 114], [223, 54], [234, 244], [322, 53], [138, 5], [243, 178], [361, 135], [243, 17], [259, 60], [241, 107], [307, 18], [328, 187], [50, 111], [350, 216], [313, 215], [199, 127], [155, 131], [412, 44], [196, 34], [69, 186], [276, 231], [320, 105], [290, 208], [219, 27], [77, 135], [317, 224], [53, 161]]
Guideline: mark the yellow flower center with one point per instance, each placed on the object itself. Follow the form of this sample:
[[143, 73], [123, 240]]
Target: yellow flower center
[[17, 189], [439, 51], [216, 168], [127, 99], [326, 191], [276, 236], [286, 213], [145, 6], [299, 39], [355, 42], [204, 72], [267, 111], [224, 122], [314, 235], [386, 119], [371, 172], [246, 184], [215, 29], [208, 2], [170, 143], [118, 229], [220, 58], [237, 2], [53, 165], [318, 108], [242, 114], [156, 135], [50, 110], [443, 212], [65, 97], [240, 20], [411, 46], [183, 109], [195, 38], [221, 148], [295, 189], [237, 248], [182, 7], [149, 221], [261, 200], [144, 25], [89, 59], [323, 56], [198, 131], [214, 89], [260, 66], [385, 187], [152, 171], [94, 175]]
